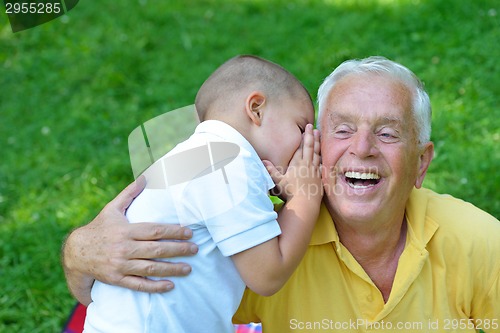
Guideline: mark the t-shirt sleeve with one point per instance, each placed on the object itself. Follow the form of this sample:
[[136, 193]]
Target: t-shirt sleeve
[[251, 222], [233, 204]]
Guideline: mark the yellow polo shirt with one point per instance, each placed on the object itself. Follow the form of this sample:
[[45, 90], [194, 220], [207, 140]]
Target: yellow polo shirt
[[447, 280]]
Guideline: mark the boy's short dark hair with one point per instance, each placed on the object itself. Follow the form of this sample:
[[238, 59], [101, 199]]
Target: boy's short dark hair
[[245, 72]]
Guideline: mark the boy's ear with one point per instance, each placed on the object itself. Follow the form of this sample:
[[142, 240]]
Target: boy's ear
[[254, 106]]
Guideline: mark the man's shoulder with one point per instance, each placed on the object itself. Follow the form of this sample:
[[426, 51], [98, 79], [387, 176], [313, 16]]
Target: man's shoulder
[[444, 207], [453, 216]]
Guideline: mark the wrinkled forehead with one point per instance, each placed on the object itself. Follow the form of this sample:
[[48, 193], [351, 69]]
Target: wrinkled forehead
[[365, 93]]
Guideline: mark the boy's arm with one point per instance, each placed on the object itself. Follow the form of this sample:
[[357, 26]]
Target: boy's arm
[[265, 268]]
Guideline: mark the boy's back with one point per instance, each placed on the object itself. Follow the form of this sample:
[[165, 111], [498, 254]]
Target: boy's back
[[233, 217], [266, 111]]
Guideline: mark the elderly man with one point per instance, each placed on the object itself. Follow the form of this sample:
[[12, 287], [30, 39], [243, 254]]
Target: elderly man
[[385, 254]]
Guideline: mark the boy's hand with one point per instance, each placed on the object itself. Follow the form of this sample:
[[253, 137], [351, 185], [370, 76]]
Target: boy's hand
[[303, 176]]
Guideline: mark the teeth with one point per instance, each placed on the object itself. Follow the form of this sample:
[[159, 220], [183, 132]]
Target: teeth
[[359, 186], [361, 175]]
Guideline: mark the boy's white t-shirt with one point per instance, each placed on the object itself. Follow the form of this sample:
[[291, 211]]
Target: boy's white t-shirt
[[228, 213]]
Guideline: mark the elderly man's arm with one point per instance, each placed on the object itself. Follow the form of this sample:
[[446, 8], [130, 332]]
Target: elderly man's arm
[[111, 250], [486, 289]]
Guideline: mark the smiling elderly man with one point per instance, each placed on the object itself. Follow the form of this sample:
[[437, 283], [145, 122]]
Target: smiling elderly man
[[385, 255]]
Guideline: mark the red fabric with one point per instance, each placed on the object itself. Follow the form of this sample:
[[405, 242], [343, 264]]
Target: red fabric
[[76, 320], [250, 328]]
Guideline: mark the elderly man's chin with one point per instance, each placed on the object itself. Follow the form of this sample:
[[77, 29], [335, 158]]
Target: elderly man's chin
[[359, 211]]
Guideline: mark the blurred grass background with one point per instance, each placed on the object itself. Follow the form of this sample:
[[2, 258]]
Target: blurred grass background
[[73, 89]]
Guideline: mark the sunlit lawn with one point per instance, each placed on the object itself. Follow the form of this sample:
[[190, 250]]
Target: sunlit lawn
[[73, 89]]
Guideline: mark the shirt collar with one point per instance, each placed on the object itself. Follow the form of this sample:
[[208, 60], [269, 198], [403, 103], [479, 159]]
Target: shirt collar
[[324, 230], [420, 227]]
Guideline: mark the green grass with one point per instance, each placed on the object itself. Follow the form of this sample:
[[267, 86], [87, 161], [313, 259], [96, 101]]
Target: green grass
[[72, 90]]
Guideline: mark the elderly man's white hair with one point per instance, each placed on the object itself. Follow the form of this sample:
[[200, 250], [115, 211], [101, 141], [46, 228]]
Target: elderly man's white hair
[[379, 65]]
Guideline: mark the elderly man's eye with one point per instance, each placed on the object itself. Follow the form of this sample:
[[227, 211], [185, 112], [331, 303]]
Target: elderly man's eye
[[342, 132], [388, 136]]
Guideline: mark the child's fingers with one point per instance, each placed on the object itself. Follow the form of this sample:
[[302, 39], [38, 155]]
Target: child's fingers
[[275, 174], [297, 155], [308, 148], [317, 148]]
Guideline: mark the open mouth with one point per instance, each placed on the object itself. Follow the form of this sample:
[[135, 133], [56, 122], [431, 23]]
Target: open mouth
[[361, 179]]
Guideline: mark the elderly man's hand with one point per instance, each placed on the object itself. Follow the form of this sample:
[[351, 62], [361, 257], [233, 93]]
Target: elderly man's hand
[[111, 250]]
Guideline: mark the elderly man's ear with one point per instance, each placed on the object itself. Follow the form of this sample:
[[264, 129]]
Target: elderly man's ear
[[254, 106], [426, 155]]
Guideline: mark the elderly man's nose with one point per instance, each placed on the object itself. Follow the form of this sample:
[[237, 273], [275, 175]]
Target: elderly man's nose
[[364, 145]]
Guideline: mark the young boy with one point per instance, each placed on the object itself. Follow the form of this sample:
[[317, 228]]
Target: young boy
[[267, 113]]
